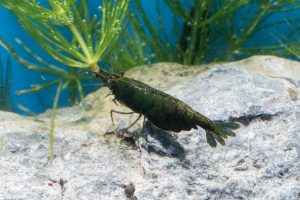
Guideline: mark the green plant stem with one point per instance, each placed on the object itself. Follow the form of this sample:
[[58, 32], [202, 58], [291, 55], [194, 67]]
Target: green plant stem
[[204, 32], [81, 42], [194, 37], [250, 28], [90, 58], [55, 104], [80, 90], [226, 10]]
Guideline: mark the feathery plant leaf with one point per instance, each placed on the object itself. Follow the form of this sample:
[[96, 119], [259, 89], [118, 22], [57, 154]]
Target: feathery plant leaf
[[55, 104], [82, 47], [291, 48], [212, 31], [45, 25]]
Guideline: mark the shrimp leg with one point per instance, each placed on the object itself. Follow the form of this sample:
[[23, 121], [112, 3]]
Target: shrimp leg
[[124, 113], [119, 112]]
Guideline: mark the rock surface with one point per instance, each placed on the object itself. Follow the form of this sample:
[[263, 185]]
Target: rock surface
[[261, 162]]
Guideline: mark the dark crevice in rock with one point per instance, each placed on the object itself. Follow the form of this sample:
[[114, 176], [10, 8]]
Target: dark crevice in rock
[[247, 119], [156, 141], [129, 192], [163, 143], [61, 183], [62, 187]]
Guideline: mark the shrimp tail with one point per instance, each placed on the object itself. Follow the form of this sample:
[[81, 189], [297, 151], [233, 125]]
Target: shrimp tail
[[219, 131]]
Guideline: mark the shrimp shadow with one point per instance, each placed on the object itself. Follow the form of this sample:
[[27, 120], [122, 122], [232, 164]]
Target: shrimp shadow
[[163, 142]]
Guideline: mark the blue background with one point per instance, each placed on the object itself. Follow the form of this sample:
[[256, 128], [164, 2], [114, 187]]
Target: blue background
[[23, 78]]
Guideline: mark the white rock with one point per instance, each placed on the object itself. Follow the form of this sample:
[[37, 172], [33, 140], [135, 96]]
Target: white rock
[[261, 162]]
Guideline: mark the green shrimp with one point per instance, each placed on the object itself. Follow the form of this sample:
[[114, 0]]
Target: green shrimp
[[163, 110]]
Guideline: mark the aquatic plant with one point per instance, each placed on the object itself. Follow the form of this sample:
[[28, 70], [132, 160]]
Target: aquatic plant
[[292, 49], [67, 33], [212, 30], [5, 84]]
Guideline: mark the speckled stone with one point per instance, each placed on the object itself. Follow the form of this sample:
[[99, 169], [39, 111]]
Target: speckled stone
[[261, 162]]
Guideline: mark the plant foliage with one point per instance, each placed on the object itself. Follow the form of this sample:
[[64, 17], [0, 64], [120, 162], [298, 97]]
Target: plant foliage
[[66, 32], [212, 30]]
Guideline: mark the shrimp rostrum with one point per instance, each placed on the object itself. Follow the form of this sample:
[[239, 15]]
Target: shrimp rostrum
[[163, 110]]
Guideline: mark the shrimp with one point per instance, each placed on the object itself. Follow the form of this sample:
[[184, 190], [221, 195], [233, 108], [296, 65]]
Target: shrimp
[[163, 110]]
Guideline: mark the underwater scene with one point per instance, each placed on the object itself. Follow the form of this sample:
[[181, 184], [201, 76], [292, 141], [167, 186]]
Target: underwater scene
[[150, 99]]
